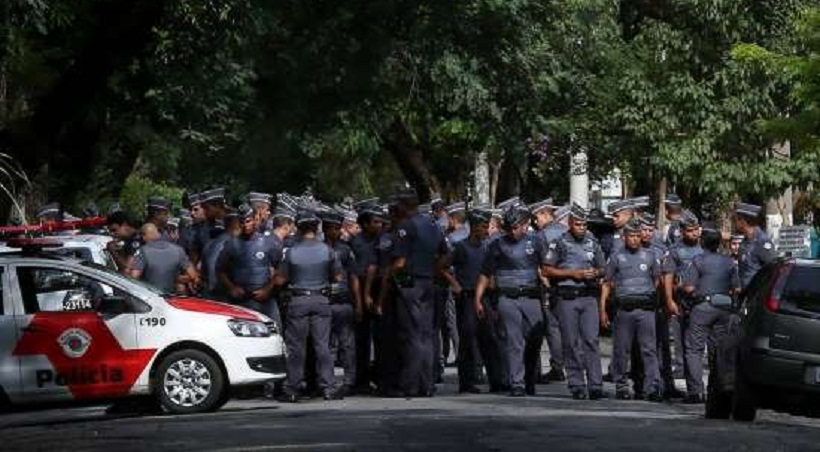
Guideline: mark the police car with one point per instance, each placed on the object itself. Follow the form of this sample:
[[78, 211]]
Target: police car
[[74, 330], [87, 247]]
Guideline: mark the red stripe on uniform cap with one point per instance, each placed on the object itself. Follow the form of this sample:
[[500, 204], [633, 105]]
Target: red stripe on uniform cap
[[213, 307]]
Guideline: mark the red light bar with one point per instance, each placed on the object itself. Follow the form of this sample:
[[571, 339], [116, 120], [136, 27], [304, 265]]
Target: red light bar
[[44, 228], [23, 242]]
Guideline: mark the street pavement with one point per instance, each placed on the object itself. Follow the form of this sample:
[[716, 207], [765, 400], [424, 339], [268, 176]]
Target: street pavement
[[448, 422]]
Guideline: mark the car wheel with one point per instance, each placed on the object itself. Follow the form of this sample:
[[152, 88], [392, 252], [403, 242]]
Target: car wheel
[[744, 405], [718, 399], [190, 381]]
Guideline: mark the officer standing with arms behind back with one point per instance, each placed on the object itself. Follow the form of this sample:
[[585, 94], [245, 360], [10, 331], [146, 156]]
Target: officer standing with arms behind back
[[711, 280], [308, 269], [575, 263], [514, 262], [419, 252], [632, 276]]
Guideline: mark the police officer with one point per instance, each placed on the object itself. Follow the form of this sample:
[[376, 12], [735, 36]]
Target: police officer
[[261, 204], [387, 348], [213, 206], [674, 207], [446, 322], [127, 242], [160, 262], [680, 255], [345, 301], [476, 338], [513, 262], [621, 211], [575, 263], [756, 249], [550, 230], [632, 276], [418, 253], [158, 212], [364, 246], [711, 280], [438, 210], [212, 288], [246, 266], [308, 269]]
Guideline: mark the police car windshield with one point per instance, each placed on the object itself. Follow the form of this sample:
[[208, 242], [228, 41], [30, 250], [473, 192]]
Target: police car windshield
[[138, 282]]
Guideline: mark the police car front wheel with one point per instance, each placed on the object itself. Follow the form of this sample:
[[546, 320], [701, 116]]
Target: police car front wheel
[[190, 381]]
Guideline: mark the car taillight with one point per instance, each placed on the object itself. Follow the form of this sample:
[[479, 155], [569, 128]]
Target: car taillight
[[772, 303]]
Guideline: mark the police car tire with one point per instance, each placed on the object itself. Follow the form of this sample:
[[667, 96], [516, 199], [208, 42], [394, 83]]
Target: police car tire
[[744, 405], [218, 390]]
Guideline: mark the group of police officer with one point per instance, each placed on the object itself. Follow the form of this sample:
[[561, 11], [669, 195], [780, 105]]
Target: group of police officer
[[385, 289]]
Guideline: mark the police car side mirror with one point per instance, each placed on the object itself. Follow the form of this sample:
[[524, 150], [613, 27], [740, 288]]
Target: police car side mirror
[[112, 305]]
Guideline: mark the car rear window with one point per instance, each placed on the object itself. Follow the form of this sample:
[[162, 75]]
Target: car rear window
[[802, 289], [83, 254]]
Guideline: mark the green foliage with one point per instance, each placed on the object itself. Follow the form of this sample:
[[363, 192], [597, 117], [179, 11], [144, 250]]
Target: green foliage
[[137, 190]]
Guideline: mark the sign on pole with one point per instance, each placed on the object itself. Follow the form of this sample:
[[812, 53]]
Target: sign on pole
[[794, 241]]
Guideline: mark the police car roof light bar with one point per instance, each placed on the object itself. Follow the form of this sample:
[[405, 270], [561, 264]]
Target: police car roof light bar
[[45, 228]]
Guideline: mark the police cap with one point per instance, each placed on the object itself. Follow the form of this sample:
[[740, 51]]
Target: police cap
[[50, 210], [578, 213], [541, 205], [619, 205], [747, 210], [515, 215], [259, 197], [214, 195], [688, 219]]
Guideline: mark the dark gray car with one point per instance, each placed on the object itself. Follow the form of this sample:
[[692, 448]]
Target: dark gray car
[[771, 358]]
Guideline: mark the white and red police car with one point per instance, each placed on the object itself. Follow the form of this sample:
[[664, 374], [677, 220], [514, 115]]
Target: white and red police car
[[72, 330]]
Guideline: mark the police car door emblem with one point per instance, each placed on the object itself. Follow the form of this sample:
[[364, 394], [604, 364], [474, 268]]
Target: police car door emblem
[[74, 342], [260, 255]]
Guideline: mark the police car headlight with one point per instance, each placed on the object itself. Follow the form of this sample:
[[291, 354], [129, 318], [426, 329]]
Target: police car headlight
[[248, 328]]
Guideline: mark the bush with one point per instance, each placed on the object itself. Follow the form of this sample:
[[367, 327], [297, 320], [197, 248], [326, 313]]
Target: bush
[[137, 190]]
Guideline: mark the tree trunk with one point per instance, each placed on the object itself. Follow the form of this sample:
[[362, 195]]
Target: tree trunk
[[482, 182], [663, 187], [411, 160]]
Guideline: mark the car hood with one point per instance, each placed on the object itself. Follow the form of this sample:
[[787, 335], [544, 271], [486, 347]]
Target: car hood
[[212, 307]]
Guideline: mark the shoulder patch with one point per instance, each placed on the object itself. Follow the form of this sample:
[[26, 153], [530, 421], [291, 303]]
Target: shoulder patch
[[402, 233], [767, 245]]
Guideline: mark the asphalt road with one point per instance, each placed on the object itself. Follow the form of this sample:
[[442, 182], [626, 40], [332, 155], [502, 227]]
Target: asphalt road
[[549, 421]]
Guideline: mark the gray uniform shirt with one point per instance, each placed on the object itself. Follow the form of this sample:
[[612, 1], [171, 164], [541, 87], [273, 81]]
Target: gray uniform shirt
[[633, 273], [160, 263]]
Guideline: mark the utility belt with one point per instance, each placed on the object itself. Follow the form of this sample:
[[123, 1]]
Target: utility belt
[[648, 302], [519, 292], [721, 301], [324, 292], [573, 292]]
